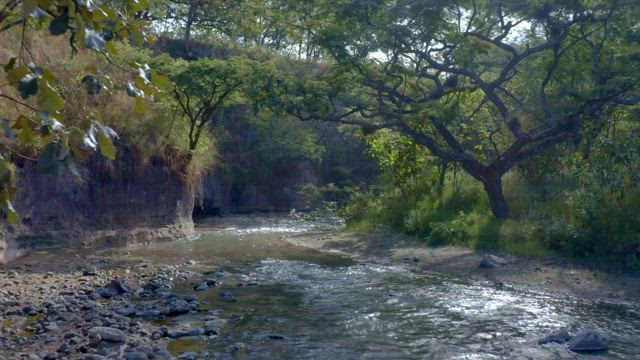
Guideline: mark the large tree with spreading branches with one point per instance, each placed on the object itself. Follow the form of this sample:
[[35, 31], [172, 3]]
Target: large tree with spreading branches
[[486, 84]]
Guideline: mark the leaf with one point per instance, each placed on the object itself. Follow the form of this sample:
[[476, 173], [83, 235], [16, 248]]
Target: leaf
[[94, 41], [60, 23], [28, 86], [143, 85], [49, 99], [26, 126], [133, 91], [141, 107], [91, 69], [15, 75], [92, 84], [107, 149], [29, 6], [10, 65], [161, 81], [39, 14], [12, 215]]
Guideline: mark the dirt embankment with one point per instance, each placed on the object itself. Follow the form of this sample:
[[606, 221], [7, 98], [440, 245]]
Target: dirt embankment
[[538, 274]]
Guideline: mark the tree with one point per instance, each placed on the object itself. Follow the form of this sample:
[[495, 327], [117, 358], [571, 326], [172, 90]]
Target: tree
[[32, 88], [203, 87], [486, 84], [285, 26]]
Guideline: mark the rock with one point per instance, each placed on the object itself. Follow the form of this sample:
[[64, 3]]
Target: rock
[[492, 261], [90, 271], [227, 296], [137, 355], [178, 307], [29, 310], [236, 347], [152, 315], [589, 340], [66, 349], [126, 310], [211, 282], [211, 330], [108, 334], [108, 292], [188, 356], [559, 337], [201, 287], [93, 357], [121, 286], [180, 333], [190, 298], [215, 322]]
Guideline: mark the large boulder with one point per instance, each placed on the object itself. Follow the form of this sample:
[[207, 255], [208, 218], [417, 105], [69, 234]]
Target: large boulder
[[589, 340]]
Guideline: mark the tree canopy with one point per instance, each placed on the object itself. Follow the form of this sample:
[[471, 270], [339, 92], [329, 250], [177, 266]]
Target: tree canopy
[[486, 84]]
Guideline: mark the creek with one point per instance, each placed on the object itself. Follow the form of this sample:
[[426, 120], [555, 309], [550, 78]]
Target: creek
[[299, 303]]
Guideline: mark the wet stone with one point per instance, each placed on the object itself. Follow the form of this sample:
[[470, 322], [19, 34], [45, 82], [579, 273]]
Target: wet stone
[[589, 340], [108, 292], [90, 271], [178, 307], [180, 333], [138, 355], [560, 336], [188, 356], [108, 334], [227, 296], [121, 286], [201, 287]]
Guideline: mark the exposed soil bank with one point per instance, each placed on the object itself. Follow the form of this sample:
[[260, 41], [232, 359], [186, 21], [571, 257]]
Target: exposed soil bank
[[542, 274], [110, 203]]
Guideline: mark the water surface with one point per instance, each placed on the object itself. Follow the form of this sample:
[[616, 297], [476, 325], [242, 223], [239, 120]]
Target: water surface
[[327, 306]]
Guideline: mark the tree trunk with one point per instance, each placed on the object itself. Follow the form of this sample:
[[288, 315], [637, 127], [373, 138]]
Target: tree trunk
[[493, 187]]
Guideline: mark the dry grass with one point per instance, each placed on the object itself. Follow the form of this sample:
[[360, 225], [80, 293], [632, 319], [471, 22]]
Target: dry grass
[[154, 138]]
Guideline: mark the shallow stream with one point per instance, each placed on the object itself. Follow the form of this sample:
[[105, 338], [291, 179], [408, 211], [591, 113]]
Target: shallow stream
[[298, 303]]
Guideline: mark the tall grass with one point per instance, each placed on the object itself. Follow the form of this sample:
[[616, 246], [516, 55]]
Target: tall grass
[[558, 217]]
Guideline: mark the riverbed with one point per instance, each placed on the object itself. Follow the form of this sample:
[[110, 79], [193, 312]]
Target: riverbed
[[276, 299]]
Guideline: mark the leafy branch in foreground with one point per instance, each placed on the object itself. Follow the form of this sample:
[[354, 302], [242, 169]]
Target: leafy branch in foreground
[[40, 123]]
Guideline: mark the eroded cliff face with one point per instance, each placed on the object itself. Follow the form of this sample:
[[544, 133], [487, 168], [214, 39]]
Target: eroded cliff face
[[112, 203]]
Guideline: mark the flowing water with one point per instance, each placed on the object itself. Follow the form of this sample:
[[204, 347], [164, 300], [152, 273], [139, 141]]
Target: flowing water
[[298, 303]]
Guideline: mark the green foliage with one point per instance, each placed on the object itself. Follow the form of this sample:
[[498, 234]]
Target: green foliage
[[583, 207], [284, 140], [203, 88], [40, 121]]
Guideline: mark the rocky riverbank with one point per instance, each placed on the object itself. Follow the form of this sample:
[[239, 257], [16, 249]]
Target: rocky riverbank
[[101, 309]]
